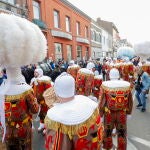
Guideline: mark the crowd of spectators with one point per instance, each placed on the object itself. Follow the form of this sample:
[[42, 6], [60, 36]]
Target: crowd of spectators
[[53, 68]]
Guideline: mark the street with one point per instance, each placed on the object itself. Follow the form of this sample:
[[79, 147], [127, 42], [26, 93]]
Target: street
[[139, 127]]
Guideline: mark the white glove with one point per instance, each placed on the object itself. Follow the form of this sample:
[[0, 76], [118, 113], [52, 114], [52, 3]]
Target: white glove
[[102, 119], [114, 131]]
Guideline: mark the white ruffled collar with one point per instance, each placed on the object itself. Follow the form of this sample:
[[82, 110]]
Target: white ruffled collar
[[116, 83], [17, 89], [43, 78], [73, 112]]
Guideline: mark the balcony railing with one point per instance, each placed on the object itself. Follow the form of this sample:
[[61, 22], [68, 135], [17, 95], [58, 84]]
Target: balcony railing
[[40, 23], [61, 34], [12, 9], [82, 40]]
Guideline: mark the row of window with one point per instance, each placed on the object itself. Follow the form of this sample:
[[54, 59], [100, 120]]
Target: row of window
[[59, 52], [96, 36], [10, 1], [56, 14], [68, 24], [37, 15], [36, 10]]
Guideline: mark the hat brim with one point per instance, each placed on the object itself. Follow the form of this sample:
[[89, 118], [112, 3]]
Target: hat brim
[[50, 97]]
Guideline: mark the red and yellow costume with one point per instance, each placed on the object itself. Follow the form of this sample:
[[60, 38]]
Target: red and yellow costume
[[84, 82], [146, 68], [115, 103], [73, 70], [128, 73], [39, 86], [79, 135], [18, 112], [97, 85]]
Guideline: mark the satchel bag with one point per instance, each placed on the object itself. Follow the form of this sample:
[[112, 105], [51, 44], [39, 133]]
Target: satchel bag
[[137, 86]]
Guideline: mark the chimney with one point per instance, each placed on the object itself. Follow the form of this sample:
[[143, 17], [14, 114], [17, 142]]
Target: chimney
[[98, 19]]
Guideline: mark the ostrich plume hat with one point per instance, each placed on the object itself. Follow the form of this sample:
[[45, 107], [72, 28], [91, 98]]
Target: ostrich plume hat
[[125, 51], [21, 42], [143, 50]]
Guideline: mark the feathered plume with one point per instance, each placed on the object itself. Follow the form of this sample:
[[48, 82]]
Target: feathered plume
[[21, 42], [143, 50], [125, 52]]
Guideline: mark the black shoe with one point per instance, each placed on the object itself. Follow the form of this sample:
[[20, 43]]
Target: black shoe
[[143, 110], [139, 105]]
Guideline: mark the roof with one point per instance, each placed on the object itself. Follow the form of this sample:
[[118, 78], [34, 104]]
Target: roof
[[75, 8]]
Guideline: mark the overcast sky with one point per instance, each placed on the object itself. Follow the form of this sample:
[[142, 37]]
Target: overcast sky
[[131, 17]]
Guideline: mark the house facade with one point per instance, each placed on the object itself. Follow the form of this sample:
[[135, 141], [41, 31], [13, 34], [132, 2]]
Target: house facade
[[66, 28]]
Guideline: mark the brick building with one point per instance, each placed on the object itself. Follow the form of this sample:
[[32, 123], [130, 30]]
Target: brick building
[[16, 7], [66, 28]]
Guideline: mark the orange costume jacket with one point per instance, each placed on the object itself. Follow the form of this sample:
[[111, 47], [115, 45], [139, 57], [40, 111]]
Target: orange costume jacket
[[80, 135], [115, 103], [39, 86], [18, 111]]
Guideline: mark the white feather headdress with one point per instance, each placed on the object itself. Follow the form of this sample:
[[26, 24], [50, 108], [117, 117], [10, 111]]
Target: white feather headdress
[[125, 52], [143, 50], [21, 42]]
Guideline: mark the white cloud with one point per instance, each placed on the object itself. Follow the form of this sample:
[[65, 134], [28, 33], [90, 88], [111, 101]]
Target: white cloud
[[131, 17]]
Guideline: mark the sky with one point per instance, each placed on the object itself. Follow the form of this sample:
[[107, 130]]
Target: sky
[[131, 17]]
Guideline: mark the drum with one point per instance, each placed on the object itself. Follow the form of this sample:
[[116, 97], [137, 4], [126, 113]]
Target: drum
[[84, 82], [116, 94], [97, 85], [73, 70]]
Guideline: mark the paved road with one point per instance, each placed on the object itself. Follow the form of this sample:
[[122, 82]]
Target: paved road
[[139, 127], [38, 139]]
